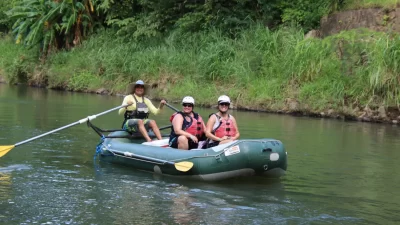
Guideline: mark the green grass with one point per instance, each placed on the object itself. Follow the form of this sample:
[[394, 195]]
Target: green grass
[[16, 62], [259, 69]]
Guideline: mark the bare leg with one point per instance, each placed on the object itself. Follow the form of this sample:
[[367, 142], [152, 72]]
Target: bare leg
[[155, 129], [143, 130], [183, 143]]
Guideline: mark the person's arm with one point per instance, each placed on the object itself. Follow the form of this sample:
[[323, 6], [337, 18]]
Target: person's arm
[[127, 100], [236, 127], [177, 125], [152, 108], [209, 127]]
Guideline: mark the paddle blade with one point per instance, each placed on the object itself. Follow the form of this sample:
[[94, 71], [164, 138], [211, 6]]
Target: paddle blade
[[183, 166], [5, 149]]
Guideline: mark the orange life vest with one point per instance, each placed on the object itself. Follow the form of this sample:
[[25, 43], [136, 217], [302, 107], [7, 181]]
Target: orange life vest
[[225, 127], [194, 126]]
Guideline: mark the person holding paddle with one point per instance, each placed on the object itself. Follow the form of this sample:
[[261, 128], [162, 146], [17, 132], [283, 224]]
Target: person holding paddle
[[187, 127], [136, 115], [221, 126]]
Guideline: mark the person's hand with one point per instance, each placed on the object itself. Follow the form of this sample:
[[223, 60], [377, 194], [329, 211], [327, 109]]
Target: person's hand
[[225, 138], [130, 102], [194, 138], [163, 102]]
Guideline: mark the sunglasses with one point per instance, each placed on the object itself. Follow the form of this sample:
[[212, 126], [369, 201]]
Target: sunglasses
[[139, 86], [224, 104], [187, 105]]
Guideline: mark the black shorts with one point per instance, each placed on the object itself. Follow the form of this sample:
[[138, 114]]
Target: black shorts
[[174, 143]]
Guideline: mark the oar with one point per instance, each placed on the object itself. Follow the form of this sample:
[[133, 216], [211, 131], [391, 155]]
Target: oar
[[165, 127], [181, 166], [7, 148], [171, 107]]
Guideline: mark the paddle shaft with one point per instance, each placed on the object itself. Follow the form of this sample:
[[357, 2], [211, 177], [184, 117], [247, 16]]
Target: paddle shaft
[[70, 125], [171, 107]]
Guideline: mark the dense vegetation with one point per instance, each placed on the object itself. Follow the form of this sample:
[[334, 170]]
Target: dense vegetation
[[253, 50]]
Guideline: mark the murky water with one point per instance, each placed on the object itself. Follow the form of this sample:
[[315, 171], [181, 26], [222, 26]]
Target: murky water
[[338, 172]]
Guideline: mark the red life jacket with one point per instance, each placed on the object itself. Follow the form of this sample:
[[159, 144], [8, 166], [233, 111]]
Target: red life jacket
[[194, 127], [225, 127]]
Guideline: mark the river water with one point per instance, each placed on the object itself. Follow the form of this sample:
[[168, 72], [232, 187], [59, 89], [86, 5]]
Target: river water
[[338, 172]]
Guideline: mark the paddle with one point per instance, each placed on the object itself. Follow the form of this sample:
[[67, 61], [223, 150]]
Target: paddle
[[7, 148], [181, 166], [171, 107], [165, 127]]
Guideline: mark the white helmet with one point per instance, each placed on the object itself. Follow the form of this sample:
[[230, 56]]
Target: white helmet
[[188, 99], [224, 99]]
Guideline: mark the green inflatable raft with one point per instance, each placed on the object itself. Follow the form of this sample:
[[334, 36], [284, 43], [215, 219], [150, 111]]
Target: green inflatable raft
[[246, 157]]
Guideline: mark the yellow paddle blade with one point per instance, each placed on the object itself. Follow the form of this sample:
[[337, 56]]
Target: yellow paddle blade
[[5, 149], [183, 166]]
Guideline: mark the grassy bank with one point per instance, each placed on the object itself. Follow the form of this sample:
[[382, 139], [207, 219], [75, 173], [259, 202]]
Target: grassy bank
[[260, 69]]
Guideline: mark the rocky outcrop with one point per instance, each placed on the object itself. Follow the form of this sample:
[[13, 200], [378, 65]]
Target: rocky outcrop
[[378, 19]]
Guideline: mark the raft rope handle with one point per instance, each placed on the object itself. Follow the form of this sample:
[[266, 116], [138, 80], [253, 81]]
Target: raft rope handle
[[133, 157]]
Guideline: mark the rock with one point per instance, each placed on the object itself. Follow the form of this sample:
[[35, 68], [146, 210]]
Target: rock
[[292, 104], [102, 91], [395, 121], [382, 112], [313, 34], [331, 112], [362, 115], [322, 114], [368, 111], [356, 110], [366, 119]]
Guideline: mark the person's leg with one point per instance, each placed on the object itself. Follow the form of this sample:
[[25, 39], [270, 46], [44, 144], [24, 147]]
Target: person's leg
[[143, 130], [173, 143], [131, 126], [153, 125], [192, 145], [183, 142]]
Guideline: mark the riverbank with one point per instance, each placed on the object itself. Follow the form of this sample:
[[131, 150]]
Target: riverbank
[[351, 75]]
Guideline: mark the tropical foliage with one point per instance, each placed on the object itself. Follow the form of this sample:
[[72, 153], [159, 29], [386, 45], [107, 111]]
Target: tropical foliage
[[52, 23], [5, 22], [62, 23]]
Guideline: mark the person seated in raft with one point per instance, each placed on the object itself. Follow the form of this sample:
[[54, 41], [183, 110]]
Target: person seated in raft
[[221, 126], [136, 115], [187, 127]]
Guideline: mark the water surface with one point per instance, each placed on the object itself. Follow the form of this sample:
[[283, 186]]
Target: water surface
[[338, 172]]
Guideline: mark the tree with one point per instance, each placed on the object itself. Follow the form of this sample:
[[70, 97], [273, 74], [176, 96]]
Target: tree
[[53, 24]]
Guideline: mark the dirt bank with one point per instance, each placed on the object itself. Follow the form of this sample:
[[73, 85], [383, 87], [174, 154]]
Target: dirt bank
[[377, 19], [389, 115]]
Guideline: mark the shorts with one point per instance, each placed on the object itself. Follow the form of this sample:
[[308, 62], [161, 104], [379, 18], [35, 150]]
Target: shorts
[[174, 143], [212, 144], [131, 125]]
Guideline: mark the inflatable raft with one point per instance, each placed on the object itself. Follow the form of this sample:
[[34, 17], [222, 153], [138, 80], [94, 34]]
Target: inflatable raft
[[246, 157]]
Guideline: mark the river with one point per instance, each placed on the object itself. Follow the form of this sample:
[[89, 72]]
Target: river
[[338, 172]]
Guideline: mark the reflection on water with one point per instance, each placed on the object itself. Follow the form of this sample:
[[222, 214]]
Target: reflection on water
[[5, 193], [183, 207], [338, 172], [5, 186]]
